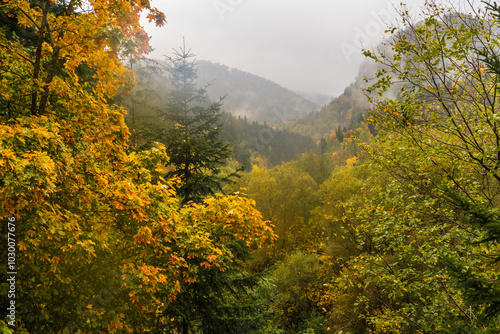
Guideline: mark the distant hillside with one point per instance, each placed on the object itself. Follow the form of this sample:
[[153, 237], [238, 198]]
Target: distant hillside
[[318, 98], [253, 97], [342, 112], [251, 140], [345, 111]]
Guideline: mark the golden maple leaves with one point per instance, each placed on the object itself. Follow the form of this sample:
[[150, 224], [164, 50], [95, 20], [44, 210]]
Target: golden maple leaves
[[92, 211], [96, 34]]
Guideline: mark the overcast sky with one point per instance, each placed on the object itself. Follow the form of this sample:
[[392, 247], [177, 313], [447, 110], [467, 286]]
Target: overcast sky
[[304, 45]]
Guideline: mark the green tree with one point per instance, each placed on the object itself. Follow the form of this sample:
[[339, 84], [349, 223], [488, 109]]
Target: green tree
[[318, 165], [285, 195], [225, 302], [436, 106], [193, 140], [398, 281], [216, 293], [299, 292], [212, 300]]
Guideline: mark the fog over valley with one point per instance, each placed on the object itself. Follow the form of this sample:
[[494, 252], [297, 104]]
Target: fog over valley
[[306, 46]]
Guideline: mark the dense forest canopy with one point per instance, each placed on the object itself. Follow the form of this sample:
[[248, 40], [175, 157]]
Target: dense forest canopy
[[131, 201]]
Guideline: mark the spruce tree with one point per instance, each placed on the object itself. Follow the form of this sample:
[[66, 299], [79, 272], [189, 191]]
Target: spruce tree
[[477, 289], [219, 301], [193, 140]]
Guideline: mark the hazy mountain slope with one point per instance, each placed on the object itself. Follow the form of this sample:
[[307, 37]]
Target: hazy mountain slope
[[318, 98], [253, 97], [250, 139], [343, 111]]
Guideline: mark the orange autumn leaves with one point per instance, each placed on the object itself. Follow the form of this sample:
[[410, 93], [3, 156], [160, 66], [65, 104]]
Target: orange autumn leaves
[[93, 33], [94, 216]]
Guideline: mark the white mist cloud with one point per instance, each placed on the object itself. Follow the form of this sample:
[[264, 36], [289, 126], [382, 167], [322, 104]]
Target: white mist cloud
[[311, 45]]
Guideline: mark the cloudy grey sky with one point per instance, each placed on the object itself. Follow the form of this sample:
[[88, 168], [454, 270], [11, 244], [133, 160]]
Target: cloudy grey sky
[[304, 45]]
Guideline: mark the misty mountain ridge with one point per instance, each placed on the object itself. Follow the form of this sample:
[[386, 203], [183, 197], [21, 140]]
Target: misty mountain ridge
[[248, 95], [261, 100], [346, 111], [316, 97]]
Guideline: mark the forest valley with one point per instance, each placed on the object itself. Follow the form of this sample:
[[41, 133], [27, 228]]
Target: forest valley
[[141, 206]]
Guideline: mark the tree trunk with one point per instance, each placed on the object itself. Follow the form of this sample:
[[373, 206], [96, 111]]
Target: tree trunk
[[38, 58], [185, 327]]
